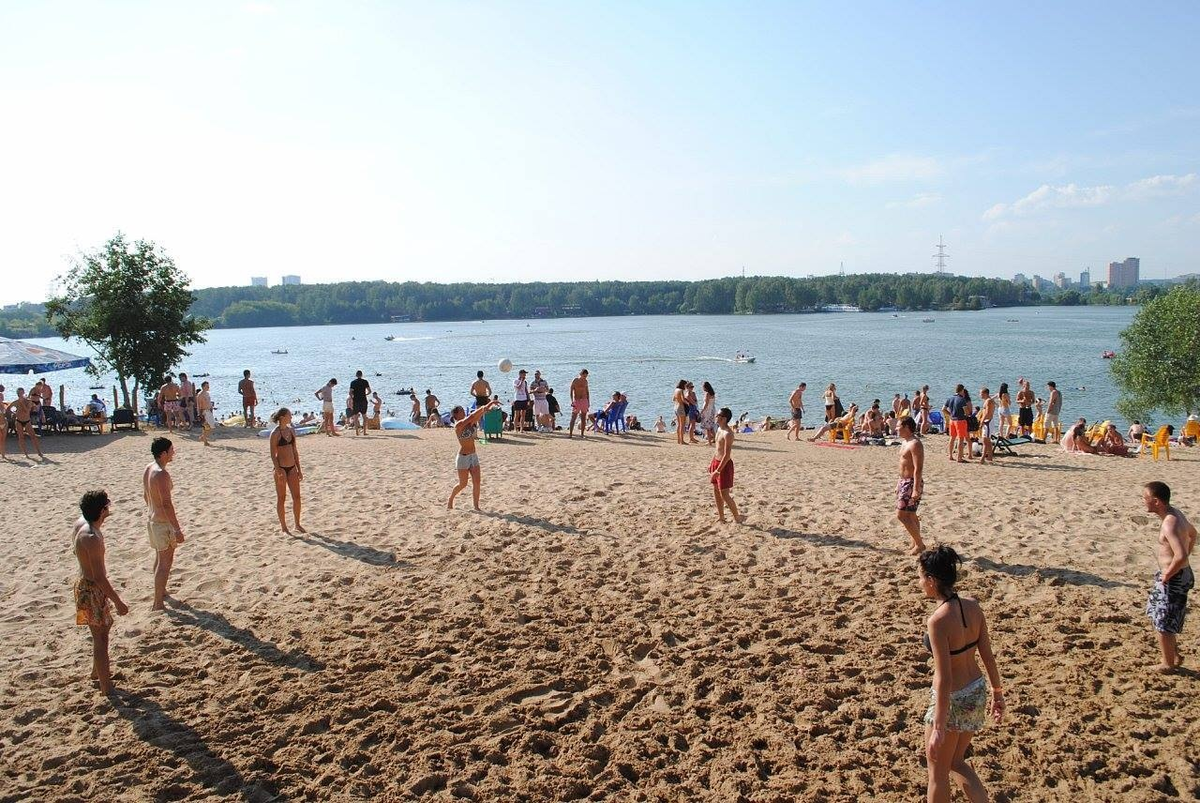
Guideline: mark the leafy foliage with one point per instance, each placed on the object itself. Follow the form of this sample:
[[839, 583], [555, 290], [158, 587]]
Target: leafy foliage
[[131, 304], [1158, 367]]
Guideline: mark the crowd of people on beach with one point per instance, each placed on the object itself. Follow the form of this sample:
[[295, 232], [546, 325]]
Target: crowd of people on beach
[[956, 633]]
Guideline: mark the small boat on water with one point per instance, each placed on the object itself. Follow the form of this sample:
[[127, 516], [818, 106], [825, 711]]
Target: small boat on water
[[199, 376], [1108, 355], [390, 338], [1014, 320], [743, 357], [95, 387], [279, 351], [927, 320]]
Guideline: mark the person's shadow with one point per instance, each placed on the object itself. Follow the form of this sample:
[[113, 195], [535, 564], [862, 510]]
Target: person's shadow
[[348, 549], [156, 727], [184, 614]]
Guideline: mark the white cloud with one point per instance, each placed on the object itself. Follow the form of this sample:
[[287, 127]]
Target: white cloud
[[896, 167], [259, 8], [1074, 196], [921, 199]]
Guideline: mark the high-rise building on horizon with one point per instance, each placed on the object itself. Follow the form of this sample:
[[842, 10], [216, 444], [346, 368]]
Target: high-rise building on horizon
[[1085, 278], [1124, 274], [1061, 281], [258, 281], [1020, 279], [290, 279]]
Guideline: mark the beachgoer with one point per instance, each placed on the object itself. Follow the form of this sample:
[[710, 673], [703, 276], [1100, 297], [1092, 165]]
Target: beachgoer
[[23, 412], [679, 400], [660, 426], [168, 402], [325, 395], [187, 399], [926, 406], [845, 419], [1167, 605], [1136, 431], [720, 470], [359, 389], [539, 389], [93, 591], [693, 411], [1190, 434], [956, 410], [987, 410], [796, 403], [958, 700], [481, 390], [1112, 442], [1005, 410], [376, 406], [3, 425], [204, 411], [553, 408], [467, 461], [911, 487], [162, 525], [1053, 409], [520, 403], [1025, 399], [432, 403], [580, 403], [830, 399], [708, 413], [249, 397], [285, 457]]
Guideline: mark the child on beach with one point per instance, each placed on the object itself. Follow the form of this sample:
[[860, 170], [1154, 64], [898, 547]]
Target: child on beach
[[720, 470]]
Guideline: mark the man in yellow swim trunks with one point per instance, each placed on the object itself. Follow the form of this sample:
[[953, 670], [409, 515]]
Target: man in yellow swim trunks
[[161, 523], [93, 592]]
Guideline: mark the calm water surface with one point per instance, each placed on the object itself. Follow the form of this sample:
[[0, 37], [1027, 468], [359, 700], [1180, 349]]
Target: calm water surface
[[868, 355]]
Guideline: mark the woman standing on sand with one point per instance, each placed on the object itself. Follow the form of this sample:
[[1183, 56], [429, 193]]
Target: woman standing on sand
[[708, 413], [1005, 409], [679, 400], [954, 633], [693, 412], [286, 459], [830, 402], [467, 462]]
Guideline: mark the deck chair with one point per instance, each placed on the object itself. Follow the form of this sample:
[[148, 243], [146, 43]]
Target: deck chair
[[1007, 446], [1160, 442], [493, 424], [123, 418]]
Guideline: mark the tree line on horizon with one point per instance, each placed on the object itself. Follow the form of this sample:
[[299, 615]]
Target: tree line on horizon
[[380, 302]]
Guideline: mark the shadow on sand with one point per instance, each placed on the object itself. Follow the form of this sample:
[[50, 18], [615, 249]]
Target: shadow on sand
[[184, 614], [156, 727], [533, 521], [1051, 575], [348, 549], [825, 539]]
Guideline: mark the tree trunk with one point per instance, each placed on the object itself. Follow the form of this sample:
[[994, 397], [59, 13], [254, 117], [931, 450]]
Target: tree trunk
[[125, 390], [135, 397]]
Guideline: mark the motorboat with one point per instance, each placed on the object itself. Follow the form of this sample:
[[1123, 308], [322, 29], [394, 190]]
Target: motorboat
[[279, 351], [743, 357], [927, 320], [390, 338]]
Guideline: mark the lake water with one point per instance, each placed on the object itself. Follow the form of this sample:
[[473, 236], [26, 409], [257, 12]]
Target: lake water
[[868, 355]]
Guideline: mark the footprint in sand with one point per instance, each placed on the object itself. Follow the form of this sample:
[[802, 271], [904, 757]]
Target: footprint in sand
[[212, 585]]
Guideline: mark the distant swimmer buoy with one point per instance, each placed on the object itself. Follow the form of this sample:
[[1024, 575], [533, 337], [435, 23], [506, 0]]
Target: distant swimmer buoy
[[505, 365]]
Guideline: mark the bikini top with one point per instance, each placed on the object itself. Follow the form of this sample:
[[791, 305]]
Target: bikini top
[[963, 615], [468, 433], [284, 440]]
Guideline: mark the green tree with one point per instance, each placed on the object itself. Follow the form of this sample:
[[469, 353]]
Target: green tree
[[131, 304], [1158, 366]]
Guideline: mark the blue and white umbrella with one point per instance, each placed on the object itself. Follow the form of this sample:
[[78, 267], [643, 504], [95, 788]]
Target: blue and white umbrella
[[19, 357]]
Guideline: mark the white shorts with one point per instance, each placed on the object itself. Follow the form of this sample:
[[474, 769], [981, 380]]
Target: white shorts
[[1051, 420], [541, 407], [209, 421], [327, 407]]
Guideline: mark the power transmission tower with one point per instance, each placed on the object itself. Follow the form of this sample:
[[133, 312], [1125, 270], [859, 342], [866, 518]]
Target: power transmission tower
[[941, 256]]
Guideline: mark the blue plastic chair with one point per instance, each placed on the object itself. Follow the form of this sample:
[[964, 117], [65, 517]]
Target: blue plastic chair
[[935, 418], [615, 420]]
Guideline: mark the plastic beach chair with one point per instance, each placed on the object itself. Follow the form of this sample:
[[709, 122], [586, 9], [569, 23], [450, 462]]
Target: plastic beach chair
[[1161, 442], [493, 424]]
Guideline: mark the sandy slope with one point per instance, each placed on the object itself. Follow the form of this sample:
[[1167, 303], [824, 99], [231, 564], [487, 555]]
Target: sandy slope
[[594, 635]]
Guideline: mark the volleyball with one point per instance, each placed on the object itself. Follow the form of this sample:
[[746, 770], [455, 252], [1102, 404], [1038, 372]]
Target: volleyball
[[505, 366]]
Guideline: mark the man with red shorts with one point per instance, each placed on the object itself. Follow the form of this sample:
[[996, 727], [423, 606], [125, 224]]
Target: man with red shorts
[[720, 470]]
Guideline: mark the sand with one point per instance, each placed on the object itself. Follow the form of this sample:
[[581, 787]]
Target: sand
[[593, 635]]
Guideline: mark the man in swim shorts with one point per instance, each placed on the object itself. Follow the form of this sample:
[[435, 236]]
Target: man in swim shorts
[[325, 395], [1167, 605], [359, 390], [204, 411], [720, 470], [579, 403], [1053, 410], [1025, 398], [956, 410], [796, 402], [93, 591], [249, 397], [911, 486], [168, 402], [481, 390], [987, 411], [162, 525]]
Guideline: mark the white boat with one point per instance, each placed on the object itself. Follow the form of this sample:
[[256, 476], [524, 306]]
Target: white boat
[[743, 357], [927, 320], [390, 338], [279, 351]]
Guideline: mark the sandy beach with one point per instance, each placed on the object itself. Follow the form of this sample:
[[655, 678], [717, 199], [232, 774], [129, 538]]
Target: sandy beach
[[593, 635]]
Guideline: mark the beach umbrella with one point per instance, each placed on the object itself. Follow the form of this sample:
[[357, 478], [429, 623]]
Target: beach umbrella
[[19, 357]]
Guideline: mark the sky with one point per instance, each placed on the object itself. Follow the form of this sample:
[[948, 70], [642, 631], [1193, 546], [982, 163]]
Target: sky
[[493, 141]]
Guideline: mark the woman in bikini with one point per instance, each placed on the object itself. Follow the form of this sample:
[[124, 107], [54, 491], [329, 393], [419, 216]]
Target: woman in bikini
[[681, 412], [1005, 409], [830, 402], [23, 412], [467, 461], [954, 633], [286, 459], [693, 411]]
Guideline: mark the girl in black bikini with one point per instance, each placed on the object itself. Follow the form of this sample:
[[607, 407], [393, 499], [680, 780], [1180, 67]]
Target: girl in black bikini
[[954, 633], [286, 459]]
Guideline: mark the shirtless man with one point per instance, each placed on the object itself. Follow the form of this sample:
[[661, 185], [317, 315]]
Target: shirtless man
[[911, 487], [249, 397], [796, 402], [187, 399], [1167, 605], [168, 402], [325, 395], [43, 396], [1025, 400], [23, 411], [720, 470], [93, 592], [580, 403], [539, 389], [431, 403], [1053, 410], [162, 525], [415, 415], [481, 390], [204, 411], [987, 411]]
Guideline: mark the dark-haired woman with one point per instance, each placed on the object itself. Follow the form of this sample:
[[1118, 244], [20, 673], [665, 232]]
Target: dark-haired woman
[[286, 459], [467, 461], [679, 400], [954, 633], [1005, 409], [708, 413]]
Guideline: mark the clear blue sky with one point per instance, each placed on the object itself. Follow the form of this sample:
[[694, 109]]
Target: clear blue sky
[[493, 141]]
